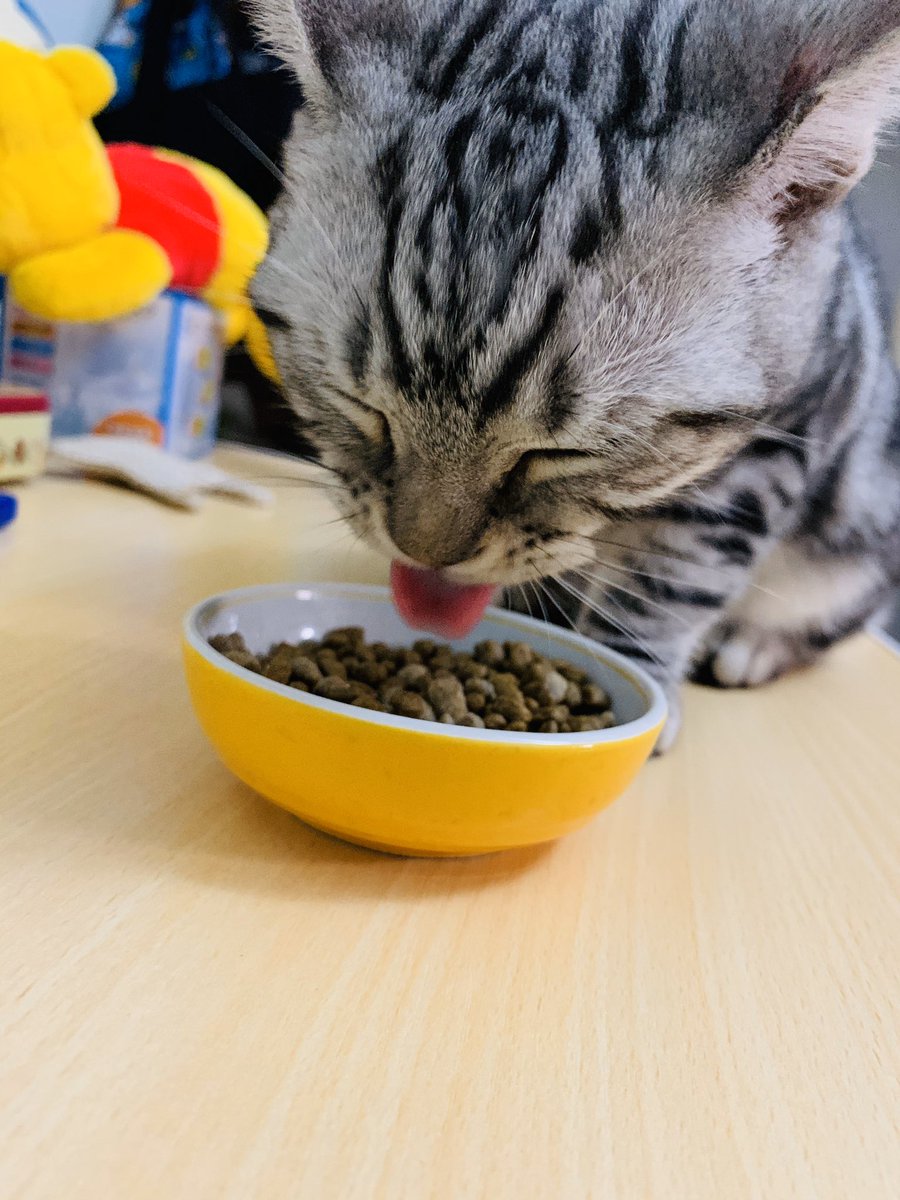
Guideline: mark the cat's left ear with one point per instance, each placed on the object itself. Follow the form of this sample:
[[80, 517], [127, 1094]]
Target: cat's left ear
[[317, 39], [832, 107]]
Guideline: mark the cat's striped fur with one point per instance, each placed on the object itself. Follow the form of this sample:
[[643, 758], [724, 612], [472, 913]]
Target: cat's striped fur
[[567, 289]]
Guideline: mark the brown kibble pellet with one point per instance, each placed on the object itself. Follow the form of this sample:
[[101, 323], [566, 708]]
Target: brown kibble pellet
[[282, 650], [506, 683], [472, 671], [403, 658], [373, 672], [411, 704], [483, 687], [332, 687], [279, 671], [415, 677], [352, 635], [513, 710], [537, 672], [519, 655], [243, 658], [572, 674], [370, 703], [389, 691], [304, 670], [499, 686], [447, 697], [225, 643], [489, 653], [593, 696], [471, 721], [329, 664]]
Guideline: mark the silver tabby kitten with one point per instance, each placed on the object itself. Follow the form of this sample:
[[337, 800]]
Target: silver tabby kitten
[[566, 289]]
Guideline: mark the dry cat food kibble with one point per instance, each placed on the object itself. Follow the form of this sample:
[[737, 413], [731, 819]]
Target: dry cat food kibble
[[500, 685]]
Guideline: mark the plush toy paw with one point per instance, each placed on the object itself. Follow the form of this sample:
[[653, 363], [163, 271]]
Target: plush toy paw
[[260, 349], [102, 279]]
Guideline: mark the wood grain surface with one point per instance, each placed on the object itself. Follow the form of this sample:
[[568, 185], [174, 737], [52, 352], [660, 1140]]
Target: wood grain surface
[[202, 999]]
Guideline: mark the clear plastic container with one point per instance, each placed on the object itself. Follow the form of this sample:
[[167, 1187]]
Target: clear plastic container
[[155, 375]]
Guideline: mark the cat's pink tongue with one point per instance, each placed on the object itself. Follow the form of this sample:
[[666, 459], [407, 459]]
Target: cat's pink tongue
[[427, 600]]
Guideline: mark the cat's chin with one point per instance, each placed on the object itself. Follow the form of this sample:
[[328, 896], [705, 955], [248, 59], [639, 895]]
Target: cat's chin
[[429, 601]]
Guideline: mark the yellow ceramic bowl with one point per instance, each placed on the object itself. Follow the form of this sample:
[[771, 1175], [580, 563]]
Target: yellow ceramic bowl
[[410, 787]]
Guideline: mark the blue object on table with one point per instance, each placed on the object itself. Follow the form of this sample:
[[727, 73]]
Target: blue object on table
[[9, 509]]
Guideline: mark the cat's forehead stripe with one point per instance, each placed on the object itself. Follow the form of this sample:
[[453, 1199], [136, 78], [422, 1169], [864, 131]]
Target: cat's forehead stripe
[[506, 134]]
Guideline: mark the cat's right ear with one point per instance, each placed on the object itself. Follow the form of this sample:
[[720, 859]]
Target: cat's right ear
[[317, 39], [841, 90]]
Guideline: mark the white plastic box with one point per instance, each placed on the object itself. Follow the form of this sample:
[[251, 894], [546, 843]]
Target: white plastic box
[[24, 433], [155, 375]]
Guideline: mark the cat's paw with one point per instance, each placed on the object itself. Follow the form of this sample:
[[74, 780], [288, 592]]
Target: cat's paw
[[672, 727], [745, 656]]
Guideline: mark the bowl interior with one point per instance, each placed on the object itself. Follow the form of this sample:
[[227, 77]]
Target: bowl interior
[[294, 613]]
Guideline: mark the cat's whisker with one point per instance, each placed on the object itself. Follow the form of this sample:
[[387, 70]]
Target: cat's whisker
[[604, 615], [520, 588], [533, 584], [286, 483], [655, 576], [792, 439], [247, 142], [600, 581], [717, 570], [340, 519], [536, 592], [607, 584], [241, 136]]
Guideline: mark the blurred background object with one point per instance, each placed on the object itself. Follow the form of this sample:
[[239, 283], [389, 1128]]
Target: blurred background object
[[77, 21], [24, 432], [193, 78]]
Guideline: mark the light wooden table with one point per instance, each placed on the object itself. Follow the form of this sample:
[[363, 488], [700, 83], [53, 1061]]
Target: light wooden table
[[204, 1000]]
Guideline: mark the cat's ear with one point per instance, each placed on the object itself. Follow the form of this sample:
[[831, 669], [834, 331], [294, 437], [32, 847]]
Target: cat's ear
[[318, 38], [834, 102]]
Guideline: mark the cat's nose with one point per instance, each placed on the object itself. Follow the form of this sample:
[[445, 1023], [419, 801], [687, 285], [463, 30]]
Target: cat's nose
[[432, 535]]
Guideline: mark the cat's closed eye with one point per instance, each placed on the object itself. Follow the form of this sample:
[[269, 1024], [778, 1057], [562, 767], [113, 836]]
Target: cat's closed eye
[[544, 466], [369, 420], [272, 319]]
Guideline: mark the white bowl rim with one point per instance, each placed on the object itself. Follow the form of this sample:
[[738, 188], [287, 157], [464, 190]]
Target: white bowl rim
[[640, 680]]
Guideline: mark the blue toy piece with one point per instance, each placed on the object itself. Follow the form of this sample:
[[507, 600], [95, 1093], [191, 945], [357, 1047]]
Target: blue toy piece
[[9, 509]]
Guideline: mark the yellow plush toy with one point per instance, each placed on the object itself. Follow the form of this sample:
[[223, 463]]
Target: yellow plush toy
[[93, 233]]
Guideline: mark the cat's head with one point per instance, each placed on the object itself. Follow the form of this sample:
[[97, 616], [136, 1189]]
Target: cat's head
[[538, 265]]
